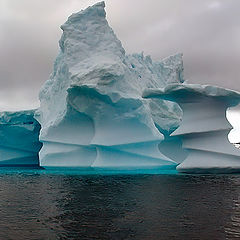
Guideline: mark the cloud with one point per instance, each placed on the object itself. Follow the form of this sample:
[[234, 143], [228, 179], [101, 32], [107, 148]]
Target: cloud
[[214, 4], [206, 31]]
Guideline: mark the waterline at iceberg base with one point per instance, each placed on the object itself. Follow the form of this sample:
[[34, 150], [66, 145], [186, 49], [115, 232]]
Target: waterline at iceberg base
[[102, 109]]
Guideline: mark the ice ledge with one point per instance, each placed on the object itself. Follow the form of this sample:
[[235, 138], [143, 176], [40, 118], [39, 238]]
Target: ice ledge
[[183, 93]]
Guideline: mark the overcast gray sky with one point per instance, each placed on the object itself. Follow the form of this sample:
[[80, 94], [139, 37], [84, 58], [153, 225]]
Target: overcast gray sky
[[206, 31]]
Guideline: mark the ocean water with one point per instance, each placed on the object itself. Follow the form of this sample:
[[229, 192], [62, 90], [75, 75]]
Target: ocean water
[[40, 204]]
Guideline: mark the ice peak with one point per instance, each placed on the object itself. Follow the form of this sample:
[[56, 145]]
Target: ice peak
[[95, 11], [99, 4]]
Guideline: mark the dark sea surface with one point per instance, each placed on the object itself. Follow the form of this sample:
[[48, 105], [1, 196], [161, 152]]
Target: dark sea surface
[[40, 204]]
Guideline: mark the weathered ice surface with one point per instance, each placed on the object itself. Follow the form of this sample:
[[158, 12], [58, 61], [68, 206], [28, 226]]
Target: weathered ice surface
[[204, 128], [92, 112], [19, 138]]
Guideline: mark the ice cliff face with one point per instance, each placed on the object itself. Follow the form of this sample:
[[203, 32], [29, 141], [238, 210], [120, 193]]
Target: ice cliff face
[[92, 112], [19, 138], [203, 132]]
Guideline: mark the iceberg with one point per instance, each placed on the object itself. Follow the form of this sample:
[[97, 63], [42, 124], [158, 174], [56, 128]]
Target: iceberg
[[102, 108], [203, 132], [19, 139], [92, 112]]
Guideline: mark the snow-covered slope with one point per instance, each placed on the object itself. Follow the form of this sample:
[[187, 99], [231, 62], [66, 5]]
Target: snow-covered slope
[[19, 138], [92, 112], [204, 128]]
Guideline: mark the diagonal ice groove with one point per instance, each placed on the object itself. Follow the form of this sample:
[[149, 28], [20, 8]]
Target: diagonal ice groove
[[11, 153], [15, 148], [216, 141], [61, 154], [207, 161], [145, 149], [68, 155], [21, 161], [113, 158]]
